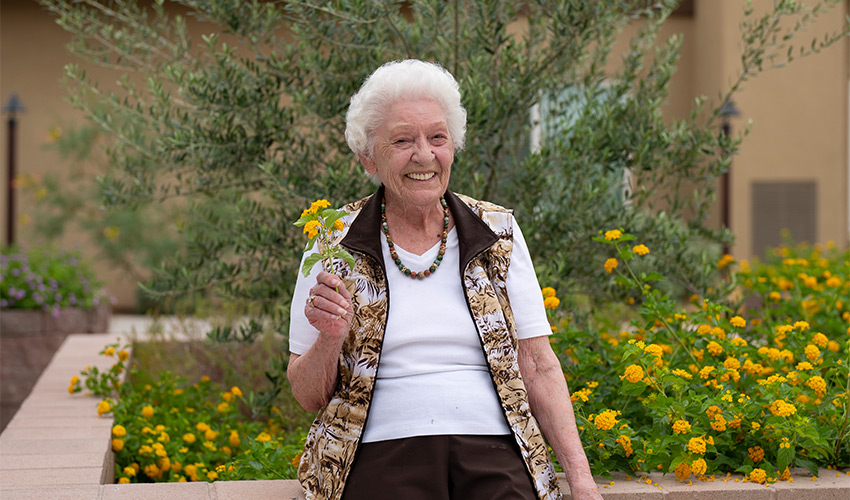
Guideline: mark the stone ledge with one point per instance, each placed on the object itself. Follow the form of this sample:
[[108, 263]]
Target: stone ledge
[[50, 451]]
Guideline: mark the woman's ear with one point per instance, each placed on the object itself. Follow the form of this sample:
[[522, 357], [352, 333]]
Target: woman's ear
[[368, 163]]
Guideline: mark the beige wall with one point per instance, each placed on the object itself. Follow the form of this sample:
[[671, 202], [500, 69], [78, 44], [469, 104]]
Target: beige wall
[[799, 117], [799, 113]]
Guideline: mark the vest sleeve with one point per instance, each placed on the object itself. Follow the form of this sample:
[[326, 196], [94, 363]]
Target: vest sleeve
[[524, 291]]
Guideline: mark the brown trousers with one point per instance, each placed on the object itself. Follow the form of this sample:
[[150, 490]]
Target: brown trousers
[[440, 468]]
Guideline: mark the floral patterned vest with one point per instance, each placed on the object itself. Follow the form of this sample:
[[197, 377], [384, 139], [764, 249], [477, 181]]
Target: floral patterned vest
[[485, 242]]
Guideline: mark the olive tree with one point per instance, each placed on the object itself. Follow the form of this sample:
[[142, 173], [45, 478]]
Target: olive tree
[[241, 118]]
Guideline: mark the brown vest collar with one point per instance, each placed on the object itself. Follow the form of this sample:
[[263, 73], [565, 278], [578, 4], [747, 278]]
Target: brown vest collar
[[474, 236]]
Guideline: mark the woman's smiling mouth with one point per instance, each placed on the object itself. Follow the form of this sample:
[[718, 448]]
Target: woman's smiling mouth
[[420, 176]]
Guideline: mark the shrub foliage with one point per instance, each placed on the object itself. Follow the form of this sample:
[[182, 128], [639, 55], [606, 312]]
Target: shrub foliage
[[239, 114]]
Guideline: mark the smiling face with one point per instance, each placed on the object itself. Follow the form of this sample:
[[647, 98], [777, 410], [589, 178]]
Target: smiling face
[[413, 153]]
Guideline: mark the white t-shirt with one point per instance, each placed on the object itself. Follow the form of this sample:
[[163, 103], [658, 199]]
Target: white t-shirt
[[432, 376]]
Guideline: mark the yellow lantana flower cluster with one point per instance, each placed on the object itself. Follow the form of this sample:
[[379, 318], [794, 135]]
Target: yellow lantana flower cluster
[[781, 408], [606, 420], [634, 373]]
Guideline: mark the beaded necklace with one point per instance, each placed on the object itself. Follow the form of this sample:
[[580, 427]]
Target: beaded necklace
[[401, 267]]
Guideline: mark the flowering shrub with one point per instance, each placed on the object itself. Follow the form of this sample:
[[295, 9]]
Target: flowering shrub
[[176, 431], [46, 280], [717, 388]]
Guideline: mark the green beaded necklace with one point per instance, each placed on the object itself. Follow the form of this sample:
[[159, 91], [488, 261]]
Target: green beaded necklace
[[401, 267]]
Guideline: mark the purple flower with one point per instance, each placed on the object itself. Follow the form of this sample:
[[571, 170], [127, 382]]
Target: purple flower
[[55, 312], [3, 303], [16, 272], [96, 301], [37, 298], [57, 297], [72, 298], [73, 261]]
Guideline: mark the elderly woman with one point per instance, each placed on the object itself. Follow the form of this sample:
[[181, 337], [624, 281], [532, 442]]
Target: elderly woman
[[428, 362]]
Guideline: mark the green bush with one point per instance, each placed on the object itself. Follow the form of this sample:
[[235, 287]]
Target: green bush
[[247, 126], [716, 388], [168, 428], [47, 280]]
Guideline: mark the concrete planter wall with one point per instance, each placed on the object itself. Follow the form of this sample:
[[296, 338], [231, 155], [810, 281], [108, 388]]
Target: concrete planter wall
[[29, 339], [57, 447]]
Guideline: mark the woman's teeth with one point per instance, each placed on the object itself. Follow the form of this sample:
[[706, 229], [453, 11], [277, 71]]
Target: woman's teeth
[[420, 177]]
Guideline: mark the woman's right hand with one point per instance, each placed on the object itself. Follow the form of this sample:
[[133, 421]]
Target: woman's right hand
[[329, 308]]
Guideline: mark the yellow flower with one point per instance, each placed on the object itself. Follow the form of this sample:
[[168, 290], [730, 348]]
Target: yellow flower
[[611, 264], [801, 325], [681, 427], [319, 205], [626, 443], [147, 411], [804, 365], [725, 261], [263, 437], [312, 228], [234, 439], [123, 355], [786, 443], [683, 471], [117, 445], [698, 467], [338, 225], [697, 445], [817, 384], [227, 396], [109, 351], [202, 426], [613, 234], [738, 321], [236, 391], [812, 352], [820, 340], [551, 302], [296, 460], [123, 480], [606, 420], [103, 407], [210, 434], [111, 233], [714, 348], [634, 373], [75, 380], [758, 476], [223, 407], [119, 431], [129, 471], [756, 454], [731, 363], [548, 292], [682, 373], [189, 438], [212, 475], [781, 408], [640, 249], [775, 296]]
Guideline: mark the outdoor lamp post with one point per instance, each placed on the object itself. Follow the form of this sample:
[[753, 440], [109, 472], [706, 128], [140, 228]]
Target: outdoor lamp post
[[12, 108], [727, 111]]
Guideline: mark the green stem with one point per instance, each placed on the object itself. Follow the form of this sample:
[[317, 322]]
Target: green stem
[[655, 309]]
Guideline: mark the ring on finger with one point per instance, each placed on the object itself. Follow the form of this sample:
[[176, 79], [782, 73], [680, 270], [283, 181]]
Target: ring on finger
[[310, 301]]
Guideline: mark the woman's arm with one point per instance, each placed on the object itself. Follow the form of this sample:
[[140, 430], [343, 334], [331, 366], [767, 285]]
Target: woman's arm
[[550, 403], [313, 374]]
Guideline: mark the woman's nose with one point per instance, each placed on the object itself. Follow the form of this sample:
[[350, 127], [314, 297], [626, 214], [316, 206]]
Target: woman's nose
[[422, 152]]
